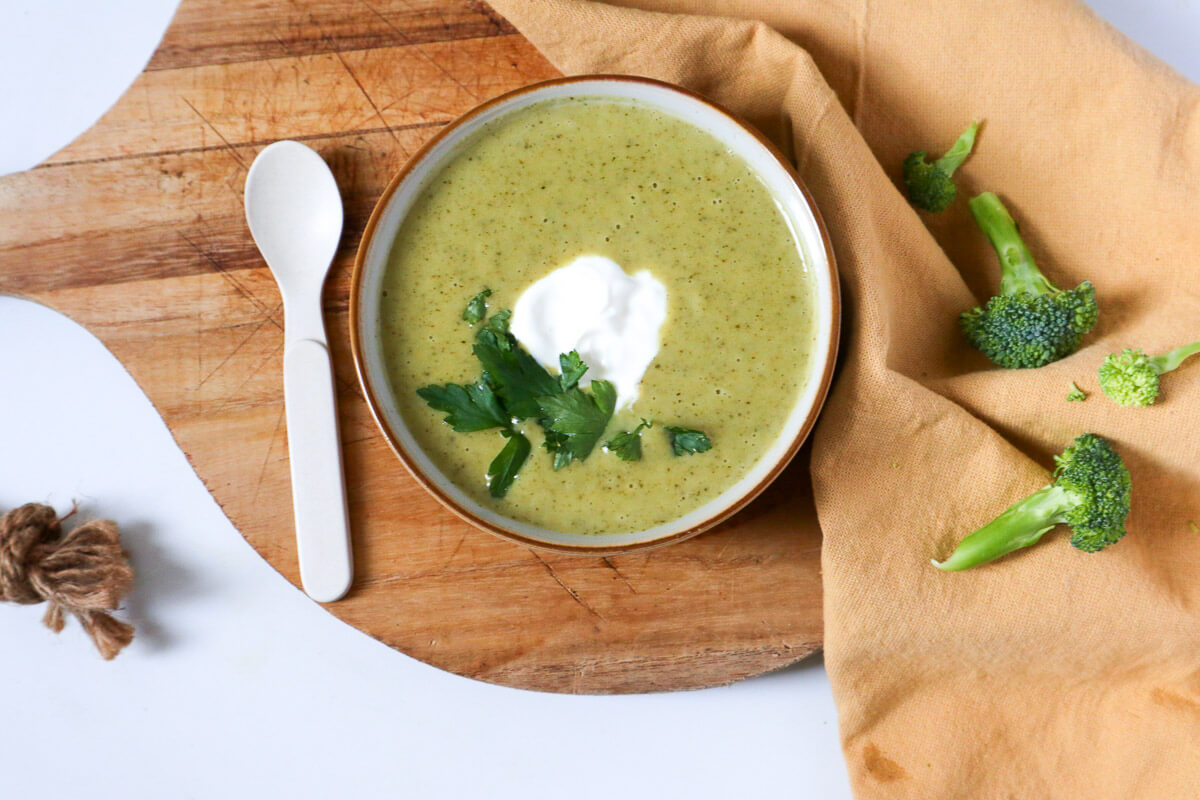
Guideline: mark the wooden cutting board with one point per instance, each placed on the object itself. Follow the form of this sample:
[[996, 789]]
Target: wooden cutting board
[[136, 231]]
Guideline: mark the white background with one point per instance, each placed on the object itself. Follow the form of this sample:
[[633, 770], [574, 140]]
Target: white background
[[237, 685]]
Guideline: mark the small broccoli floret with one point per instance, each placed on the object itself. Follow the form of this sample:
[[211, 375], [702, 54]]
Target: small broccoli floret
[[1130, 377], [1076, 395], [931, 186], [1091, 493], [1031, 322]]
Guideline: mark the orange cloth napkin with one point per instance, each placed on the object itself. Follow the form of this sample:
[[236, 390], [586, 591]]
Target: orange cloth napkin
[[1052, 673]]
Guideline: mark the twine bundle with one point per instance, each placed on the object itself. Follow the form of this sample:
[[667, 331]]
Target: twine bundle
[[83, 572]]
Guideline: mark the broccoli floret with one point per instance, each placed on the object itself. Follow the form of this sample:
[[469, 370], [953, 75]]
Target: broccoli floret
[[930, 186], [1076, 395], [1090, 493], [1130, 377], [1031, 322]]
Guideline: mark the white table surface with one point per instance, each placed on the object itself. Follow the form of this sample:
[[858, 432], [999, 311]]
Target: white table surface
[[237, 685]]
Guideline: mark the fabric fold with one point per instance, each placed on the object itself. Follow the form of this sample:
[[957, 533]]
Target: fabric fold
[[1052, 673]]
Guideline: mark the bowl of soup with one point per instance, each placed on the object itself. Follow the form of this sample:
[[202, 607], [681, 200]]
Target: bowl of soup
[[595, 315]]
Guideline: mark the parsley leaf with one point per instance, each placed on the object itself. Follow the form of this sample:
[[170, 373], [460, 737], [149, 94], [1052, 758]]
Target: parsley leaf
[[553, 443], [473, 407], [498, 324], [685, 441], [627, 446], [572, 369], [579, 418], [476, 309], [507, 463], [516, 376]]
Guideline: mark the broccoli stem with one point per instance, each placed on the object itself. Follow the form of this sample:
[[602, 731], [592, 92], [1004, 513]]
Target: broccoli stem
[[1169, 361], [959, 151], [1021, 525], [1019, 272]]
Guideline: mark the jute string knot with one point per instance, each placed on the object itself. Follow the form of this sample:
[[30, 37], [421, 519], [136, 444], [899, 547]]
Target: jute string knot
[[83, 572]]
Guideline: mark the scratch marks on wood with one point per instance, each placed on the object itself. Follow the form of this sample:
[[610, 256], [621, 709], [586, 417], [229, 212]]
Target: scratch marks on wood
[[608, 563], [457, 547], [282, 44], [234, 351], [574, 594], [347, 441], [262, 472], [236, 284], [420, 50], [252, 373], [258, 30], [334, 136], [615, 671], [350, 386], [365, 95], [724, 547], [404, 37], [501, 25], [230, 148]]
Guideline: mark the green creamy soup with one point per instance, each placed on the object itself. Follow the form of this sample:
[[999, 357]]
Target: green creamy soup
[[563, 178]]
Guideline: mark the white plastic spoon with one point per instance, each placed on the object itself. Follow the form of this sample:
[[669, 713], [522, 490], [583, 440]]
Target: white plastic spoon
[[295, 216]]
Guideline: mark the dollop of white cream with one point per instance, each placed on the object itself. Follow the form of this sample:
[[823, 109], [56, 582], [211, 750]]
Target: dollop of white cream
[[591, 305]]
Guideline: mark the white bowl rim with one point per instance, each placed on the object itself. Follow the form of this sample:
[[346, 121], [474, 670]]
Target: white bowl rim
[[791, 195]]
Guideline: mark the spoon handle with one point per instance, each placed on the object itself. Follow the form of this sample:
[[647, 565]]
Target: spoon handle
[[318, 490]]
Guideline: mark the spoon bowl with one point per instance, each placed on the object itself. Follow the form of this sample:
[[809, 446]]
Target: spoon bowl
[[295, 213]]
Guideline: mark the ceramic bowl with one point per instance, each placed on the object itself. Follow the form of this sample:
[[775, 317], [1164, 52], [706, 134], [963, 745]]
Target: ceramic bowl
[[772, 168]]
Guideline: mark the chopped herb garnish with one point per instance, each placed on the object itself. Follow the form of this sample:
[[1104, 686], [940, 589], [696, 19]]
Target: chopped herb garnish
[[571, 368], [554, 445], [685, 441], [498, 324], [515, 386], [1076, 394], [627, 446], [507, 463], [516, 376], [469, 408], [579, 418], [476, 309]]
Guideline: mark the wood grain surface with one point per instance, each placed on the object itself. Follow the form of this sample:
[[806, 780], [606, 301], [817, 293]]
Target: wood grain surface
[[136, 231]]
